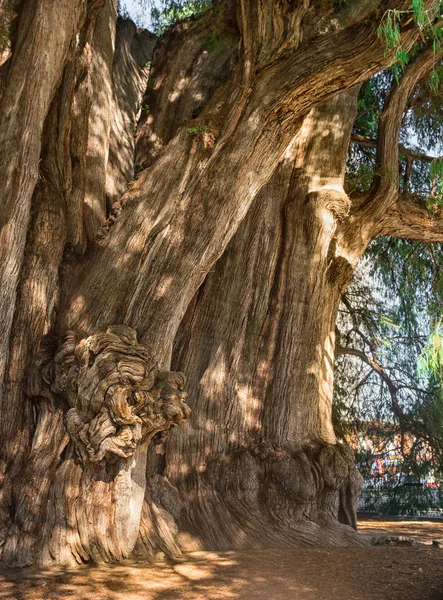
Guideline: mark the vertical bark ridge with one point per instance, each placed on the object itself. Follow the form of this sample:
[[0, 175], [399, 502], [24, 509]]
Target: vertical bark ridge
[[99, 121], [30, 88], [38, 287], [130, 71]]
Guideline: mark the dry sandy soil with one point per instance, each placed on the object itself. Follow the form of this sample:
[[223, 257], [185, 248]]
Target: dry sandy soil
[[373, 573]]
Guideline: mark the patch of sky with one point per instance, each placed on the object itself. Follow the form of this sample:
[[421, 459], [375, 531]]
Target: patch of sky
[[140, 11]]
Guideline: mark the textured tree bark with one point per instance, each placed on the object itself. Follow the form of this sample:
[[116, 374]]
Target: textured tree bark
[[87, 505], [132, 56], [257, 344], [31, 83], [36, 295], [99, 123], [60, 222], [107, 298]]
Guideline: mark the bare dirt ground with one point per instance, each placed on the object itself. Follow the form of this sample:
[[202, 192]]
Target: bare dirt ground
[[373, 573]]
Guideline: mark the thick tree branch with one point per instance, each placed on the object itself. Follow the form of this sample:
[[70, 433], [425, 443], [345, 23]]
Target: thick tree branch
[[368, 212], [387, 179], [407, 219], [359, 11], [351, 54]]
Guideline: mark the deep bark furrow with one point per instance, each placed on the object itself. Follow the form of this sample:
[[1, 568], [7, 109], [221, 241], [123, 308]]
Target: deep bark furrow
[[132, 57], [99, 122], [31, 85]]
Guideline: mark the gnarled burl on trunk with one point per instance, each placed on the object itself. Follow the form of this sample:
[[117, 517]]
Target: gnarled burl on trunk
[[112, 401]]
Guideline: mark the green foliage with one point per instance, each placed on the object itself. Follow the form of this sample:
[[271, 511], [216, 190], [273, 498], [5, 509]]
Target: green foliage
[[174, 10], [151, 84], [435, 200], [420, 16], [434, 80], [370, 103], [430, 361], [389, 29], [422, 131], [427, 21], [436, 168], [412, 273], [196, 130]]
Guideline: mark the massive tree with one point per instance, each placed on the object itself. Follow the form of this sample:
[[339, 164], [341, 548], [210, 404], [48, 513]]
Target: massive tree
[[224, 258]]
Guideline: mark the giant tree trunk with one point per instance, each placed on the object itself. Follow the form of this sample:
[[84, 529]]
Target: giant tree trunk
[[93, 296], [258, 462]]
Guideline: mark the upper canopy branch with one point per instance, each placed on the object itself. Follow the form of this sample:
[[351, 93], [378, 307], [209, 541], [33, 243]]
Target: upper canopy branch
[[369, 210], [330, 63], [387, 179], [404, 218], [271, 28]]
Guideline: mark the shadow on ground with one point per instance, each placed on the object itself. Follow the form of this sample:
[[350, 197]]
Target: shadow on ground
[[373, 573]]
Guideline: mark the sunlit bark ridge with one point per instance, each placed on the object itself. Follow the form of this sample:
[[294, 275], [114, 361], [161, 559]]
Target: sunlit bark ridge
[[227, 254]]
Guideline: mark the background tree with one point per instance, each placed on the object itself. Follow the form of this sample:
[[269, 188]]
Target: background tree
[[388, 329], [389, 320], [226, 257]]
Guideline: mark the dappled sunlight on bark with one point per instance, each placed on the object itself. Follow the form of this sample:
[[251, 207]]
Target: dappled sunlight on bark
[[221, 248]]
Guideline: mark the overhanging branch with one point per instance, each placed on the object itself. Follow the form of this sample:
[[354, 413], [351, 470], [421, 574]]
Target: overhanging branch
[[349, 56], [387, 179], [407, 219], [368, 216]]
